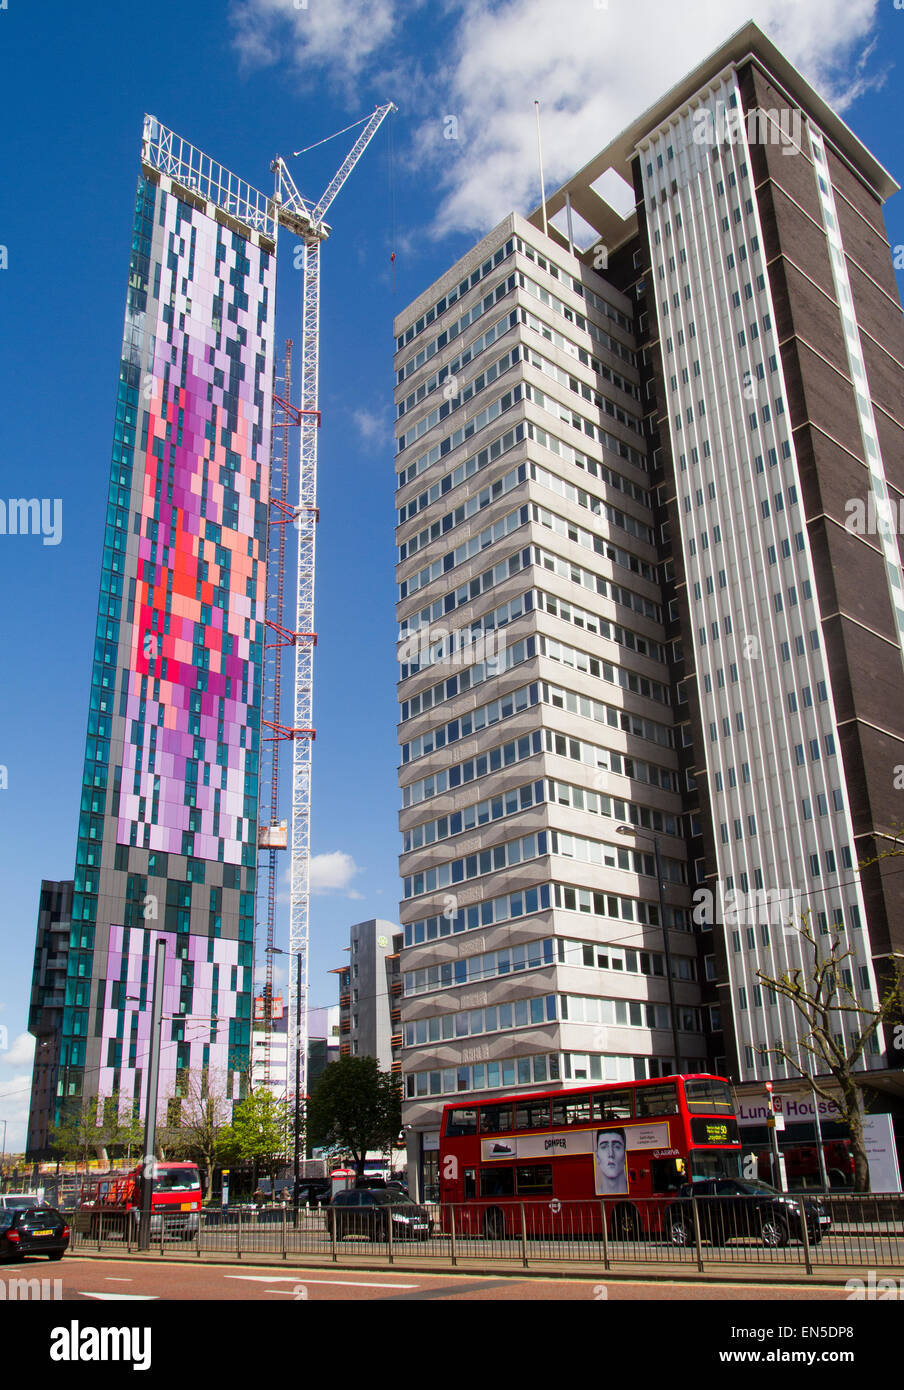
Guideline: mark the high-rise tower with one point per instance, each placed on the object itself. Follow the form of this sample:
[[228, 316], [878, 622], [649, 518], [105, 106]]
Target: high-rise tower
[[641, 598], [167, 839]]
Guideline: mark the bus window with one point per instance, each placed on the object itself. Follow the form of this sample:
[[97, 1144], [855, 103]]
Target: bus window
[[709, 1095], [535, 1180], [497, 1182], [461, 1122], [533, 1114], [656, 1100], [571, 1112], [612, 1105], [470, 1184], [495, 1119]]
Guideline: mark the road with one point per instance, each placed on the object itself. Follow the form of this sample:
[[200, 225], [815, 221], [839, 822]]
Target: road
[[117, 1280]]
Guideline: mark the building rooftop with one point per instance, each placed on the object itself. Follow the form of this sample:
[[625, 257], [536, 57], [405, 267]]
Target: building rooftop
[[748, 44]]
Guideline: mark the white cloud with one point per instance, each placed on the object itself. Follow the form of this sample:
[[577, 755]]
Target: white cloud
[[20, 1053], [339, 35], [594, 71], [15, 1090], [333, 873], [593, 66], [373, 426]]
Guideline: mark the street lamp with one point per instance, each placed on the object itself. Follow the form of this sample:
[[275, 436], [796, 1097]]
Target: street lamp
[[641, 835], [3, 1150], [278, 951]]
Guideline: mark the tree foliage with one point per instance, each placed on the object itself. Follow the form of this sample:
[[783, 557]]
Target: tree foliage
[[92, 1126], [258, 1132], [356, 1106]]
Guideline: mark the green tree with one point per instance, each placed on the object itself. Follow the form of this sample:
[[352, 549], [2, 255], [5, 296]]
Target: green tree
[[257, 1133], [823, 998], [356, 1106], [98, 1127], [76, 1135]]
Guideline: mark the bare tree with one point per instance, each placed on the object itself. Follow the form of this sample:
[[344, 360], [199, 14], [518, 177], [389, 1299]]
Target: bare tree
[[823, 997], [198, 1117]]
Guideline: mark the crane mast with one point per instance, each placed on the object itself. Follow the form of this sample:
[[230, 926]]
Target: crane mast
[[307, 220]]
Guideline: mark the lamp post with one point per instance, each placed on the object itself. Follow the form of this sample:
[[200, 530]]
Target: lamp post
[[278, 951], [3, 1150], [632, 830]]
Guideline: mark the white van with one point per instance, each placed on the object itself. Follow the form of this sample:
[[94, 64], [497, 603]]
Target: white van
[[21, 1199]]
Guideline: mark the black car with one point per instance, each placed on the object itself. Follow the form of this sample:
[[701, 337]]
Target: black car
[[729, 1207], [374, 1211], [314, 1192], [32, 1231]]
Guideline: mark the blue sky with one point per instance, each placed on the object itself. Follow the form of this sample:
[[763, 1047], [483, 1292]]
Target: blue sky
[[245, 81]]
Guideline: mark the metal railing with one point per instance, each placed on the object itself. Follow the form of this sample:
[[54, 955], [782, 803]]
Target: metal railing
[[700, 1233]]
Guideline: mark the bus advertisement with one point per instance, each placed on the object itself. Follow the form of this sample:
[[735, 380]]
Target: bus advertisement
[[175, 1200], [564, 1157]]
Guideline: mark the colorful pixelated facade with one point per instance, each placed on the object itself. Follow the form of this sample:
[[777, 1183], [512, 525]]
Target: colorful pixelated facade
[[167, 838]]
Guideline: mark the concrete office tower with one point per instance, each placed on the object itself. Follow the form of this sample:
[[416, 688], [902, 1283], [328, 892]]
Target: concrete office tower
[[369, 994], [778, 354], [628, 594], [168, 827]]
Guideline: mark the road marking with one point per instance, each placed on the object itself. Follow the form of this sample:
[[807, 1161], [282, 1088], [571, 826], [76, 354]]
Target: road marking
[[110, 1279], [303, 1279], [121, 1297]]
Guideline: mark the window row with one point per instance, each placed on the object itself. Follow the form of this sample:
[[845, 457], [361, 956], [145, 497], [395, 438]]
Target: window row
[[427, 387], [607, 760], [476, 502], [558, 306], [520, 1013], [613, 907], [566, 345], [469, 679], [582, 389], [454, 295], [481, 718], [443, 564], [441, 412], [470, 866], [487, 966], [593, 542], [494, 1076], [626, 1013]]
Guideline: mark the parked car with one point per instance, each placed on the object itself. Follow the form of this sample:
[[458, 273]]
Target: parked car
[[33, 1230], [17, 1200], [314, 1192], [729, 1207], [373, 1212]]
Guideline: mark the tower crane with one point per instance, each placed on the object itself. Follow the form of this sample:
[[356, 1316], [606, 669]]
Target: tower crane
[[306, 220]]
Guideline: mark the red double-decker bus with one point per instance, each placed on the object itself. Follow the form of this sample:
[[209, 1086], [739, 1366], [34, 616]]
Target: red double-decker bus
[[566, 1158], [111, 1200]]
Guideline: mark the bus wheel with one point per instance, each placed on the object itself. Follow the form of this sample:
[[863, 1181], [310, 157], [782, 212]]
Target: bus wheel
[[493, 1224], [624, 1224]]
